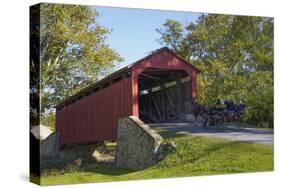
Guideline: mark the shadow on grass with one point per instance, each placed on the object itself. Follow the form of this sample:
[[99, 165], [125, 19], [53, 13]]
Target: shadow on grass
[[60, 168], [192, 149], [79, 159], [170, 134]]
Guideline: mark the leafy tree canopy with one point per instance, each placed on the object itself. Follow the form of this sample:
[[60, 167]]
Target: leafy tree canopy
[[235, 55], [73, 51]]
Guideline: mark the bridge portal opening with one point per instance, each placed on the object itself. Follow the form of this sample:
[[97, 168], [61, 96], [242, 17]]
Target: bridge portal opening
[[164, 95]]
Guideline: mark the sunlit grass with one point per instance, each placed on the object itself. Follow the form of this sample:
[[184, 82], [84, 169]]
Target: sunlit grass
[[194, 156]]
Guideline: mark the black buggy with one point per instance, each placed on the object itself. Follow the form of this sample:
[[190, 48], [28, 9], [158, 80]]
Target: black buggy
[[220, 115]]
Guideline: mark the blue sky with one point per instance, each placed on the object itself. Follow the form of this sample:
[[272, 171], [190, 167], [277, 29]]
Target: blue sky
[[133, 30]]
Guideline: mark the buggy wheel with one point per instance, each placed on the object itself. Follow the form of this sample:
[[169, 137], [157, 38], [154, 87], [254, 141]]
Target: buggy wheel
[[220, 124], [206, 124], [241, 125], [224, 123]]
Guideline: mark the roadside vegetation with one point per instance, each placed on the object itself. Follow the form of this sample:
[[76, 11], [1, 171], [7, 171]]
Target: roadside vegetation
[[235, 56], [194, 156], [49, 119]]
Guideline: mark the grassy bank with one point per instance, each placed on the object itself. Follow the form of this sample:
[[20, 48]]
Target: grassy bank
[[194, 156]]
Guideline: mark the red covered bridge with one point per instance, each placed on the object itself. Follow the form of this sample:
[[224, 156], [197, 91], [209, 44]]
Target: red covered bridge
[[157, 88]]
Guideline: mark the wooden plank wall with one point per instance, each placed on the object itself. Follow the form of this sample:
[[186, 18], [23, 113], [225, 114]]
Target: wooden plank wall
[[94, 117]]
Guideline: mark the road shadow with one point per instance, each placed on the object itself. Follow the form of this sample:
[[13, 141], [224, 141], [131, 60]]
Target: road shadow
[[249, 134], [189, 127], [170, 134]]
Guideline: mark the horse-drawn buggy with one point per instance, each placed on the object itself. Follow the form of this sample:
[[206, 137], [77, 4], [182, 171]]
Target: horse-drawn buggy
[[220, 115]]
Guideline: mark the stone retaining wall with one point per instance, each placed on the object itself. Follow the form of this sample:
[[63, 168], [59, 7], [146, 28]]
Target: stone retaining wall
[[137, 144], [50, 146]]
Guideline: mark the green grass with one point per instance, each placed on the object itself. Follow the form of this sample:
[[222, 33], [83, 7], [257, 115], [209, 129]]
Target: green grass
[[194, 156]]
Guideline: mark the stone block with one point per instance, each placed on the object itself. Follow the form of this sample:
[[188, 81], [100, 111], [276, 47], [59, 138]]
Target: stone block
[[137, 144]]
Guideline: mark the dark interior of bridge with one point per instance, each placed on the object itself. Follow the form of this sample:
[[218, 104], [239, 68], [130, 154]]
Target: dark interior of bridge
[[164, 95]]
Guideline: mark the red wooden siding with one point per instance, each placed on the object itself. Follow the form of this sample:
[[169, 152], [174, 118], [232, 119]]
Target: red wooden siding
[[95, 117]]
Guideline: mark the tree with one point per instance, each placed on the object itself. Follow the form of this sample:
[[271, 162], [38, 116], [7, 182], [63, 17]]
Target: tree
[[73, 51], [235, 55], [173, 36]]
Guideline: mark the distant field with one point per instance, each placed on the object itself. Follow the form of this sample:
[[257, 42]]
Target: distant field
[[194, 156]]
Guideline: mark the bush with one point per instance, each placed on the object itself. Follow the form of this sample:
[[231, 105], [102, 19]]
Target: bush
[[260, 100], [49, 119]]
